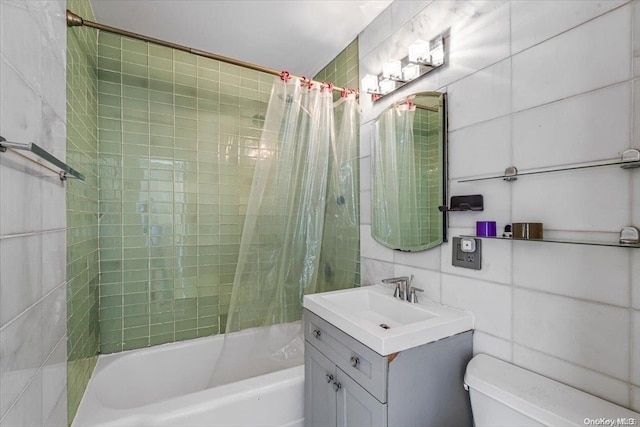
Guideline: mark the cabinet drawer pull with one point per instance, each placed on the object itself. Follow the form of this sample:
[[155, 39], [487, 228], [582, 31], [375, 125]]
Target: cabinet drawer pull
[[316, 333], [329, 378], [336, 386], [354, 361]]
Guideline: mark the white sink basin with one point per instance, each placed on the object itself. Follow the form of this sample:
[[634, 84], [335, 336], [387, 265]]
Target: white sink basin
[[386, 324]]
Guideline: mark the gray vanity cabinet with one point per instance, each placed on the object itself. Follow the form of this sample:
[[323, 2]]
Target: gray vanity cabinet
[[334, 398], [348, 384]]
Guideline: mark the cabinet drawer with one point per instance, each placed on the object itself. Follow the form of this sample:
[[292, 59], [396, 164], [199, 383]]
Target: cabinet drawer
[[370, 370]]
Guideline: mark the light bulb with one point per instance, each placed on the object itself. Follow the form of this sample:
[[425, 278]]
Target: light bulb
[[370, 84], [387, 86], [410, 72], [419, 51], [392, 69]]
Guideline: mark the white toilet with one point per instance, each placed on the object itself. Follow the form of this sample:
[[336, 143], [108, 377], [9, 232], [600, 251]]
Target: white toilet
[[505, 395]]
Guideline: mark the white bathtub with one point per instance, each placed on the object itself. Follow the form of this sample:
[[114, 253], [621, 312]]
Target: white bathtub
[[166, 386]]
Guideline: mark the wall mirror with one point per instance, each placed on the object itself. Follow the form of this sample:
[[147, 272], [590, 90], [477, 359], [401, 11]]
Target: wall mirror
[[409, 158]]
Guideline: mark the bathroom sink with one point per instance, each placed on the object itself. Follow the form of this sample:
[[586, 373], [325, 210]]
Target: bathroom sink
[[386, 324]]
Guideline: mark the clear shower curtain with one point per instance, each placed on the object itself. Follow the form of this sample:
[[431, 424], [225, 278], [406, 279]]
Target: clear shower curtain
[[394, 210], [282, 234]]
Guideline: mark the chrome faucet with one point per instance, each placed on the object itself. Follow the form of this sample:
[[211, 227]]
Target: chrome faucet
[[404, 290]]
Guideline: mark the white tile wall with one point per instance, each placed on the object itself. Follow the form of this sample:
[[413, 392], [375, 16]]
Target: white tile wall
[[373, 271], [595, 273], [470, 143], [484, 343], [482, 96], [595, 336], [532, 24], [590, 56], [427, 280], [586, 200], [573, 375], [489, 302], [534, 84], [32, 216], [577, 129]]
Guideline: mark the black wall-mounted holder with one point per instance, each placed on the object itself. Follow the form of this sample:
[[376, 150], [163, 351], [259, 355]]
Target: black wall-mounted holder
[[464, 203]]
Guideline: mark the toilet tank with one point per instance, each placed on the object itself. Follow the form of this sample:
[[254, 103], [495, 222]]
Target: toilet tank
[[503, 394]]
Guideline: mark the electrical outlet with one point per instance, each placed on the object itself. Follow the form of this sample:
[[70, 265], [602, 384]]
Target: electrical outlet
[[461, 256]]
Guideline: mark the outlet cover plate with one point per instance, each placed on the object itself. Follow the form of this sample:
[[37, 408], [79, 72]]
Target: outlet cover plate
[[472, 260]]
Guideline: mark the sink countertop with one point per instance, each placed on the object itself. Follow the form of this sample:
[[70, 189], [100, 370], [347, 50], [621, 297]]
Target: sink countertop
[[386, 324]]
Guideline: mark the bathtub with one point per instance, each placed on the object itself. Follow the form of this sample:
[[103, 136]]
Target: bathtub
[[167, 386]]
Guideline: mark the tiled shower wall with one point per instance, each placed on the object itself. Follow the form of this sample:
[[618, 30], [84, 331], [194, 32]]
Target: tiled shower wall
[[32, 220], [82, 206], [531, 84], [340, 259], [178, 136]]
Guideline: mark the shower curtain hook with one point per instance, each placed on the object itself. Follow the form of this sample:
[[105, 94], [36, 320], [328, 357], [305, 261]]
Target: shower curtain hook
[[285, 76], [329, 87]]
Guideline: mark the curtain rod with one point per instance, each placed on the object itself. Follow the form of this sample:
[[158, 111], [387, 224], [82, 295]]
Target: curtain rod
[[74, 20]]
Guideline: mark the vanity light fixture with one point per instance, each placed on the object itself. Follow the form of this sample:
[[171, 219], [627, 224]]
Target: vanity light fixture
[[424, 57]]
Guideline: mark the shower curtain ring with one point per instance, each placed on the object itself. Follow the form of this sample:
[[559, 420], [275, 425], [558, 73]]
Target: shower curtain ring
[[285, 76]]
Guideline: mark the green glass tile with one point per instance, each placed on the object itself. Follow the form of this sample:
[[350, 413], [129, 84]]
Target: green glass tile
[[157, 76], [135, 322], [109, 64], [108, 39], [140, 138], [134, 69], [184, 57], [110, 100], [161, 339], [107, 348], [111, 325], [185, 69], [187, 123], [133, 344], [160, 51], [136, 93], [208, 63], [107, 51], [162, 119], [207, 330], [136, 46], [109, 76], [135, 104], [162, 328], [184, 104], [166, 88], [134, 58]]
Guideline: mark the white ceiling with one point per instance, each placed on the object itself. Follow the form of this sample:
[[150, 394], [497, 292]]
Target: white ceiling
[[300, 36]]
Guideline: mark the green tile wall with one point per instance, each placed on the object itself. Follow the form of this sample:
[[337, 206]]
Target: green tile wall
[[178, 136], [82, 207], [340, 261]]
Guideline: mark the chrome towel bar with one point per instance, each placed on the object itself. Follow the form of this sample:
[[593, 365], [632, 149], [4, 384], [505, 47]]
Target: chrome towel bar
[[38, 151]]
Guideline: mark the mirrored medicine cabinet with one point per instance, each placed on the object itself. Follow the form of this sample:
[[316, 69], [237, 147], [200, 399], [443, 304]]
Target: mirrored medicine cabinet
[[409, 174]]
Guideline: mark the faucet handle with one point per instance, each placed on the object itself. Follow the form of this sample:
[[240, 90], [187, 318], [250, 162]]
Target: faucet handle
[[412, 294]]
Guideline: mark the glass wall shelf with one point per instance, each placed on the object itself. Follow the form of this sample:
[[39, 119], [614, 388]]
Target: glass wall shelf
[[562, 240], [630, 160]]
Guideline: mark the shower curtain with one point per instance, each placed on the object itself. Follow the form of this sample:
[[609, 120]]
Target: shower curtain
[[395, 218], [280, 249]]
